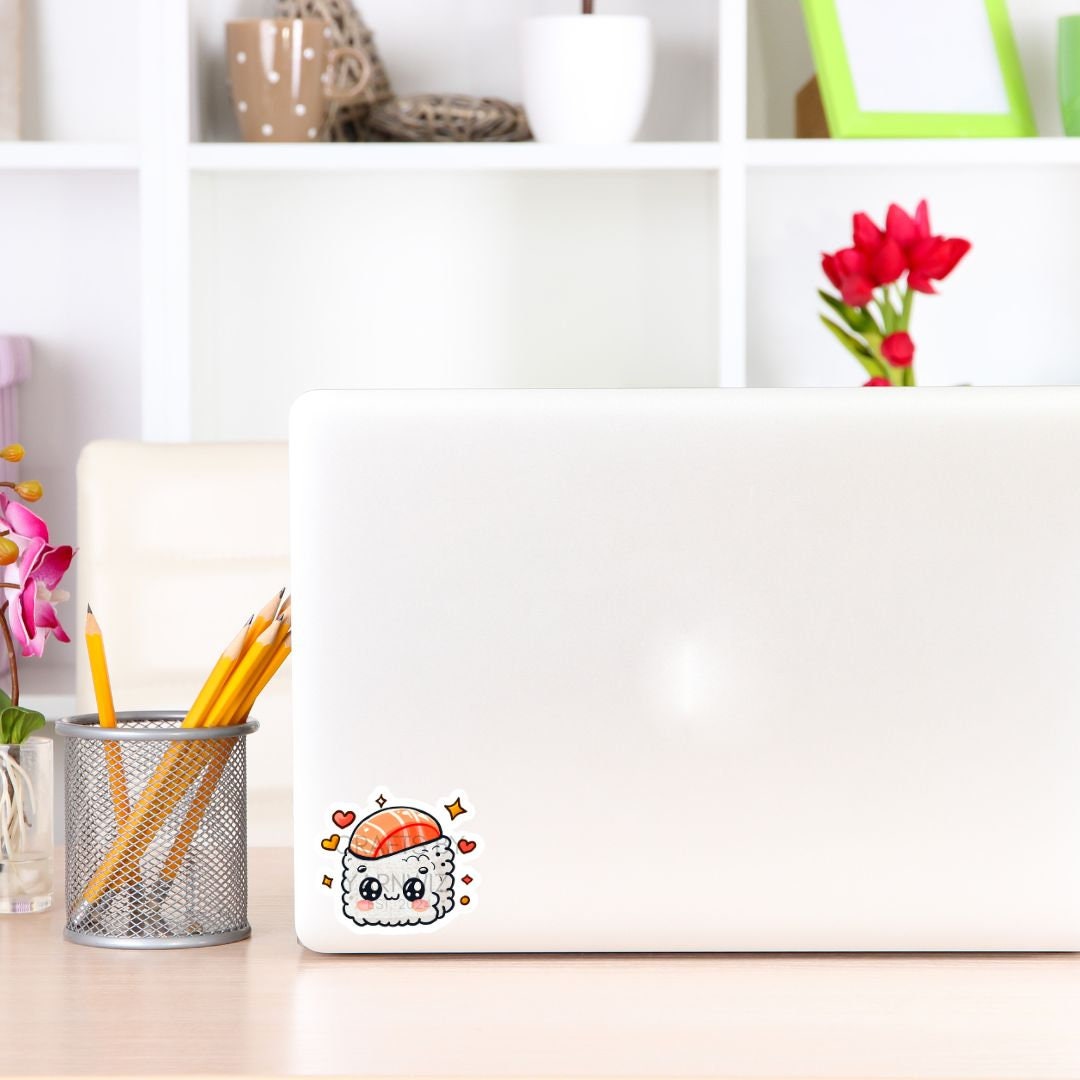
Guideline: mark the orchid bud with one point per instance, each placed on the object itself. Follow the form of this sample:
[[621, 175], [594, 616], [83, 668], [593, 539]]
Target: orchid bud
[[13, 453], [9, 551], [30, 490]]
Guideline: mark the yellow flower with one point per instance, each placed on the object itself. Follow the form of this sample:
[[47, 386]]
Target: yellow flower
[[30, 490], [13, 453], [9, 551]]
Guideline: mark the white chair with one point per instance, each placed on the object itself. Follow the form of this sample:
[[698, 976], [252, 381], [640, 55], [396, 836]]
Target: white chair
[[178, 544]]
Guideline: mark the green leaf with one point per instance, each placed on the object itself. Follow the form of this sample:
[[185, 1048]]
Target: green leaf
[[859, 319], [18, 724], [5, 701], [871, 365]]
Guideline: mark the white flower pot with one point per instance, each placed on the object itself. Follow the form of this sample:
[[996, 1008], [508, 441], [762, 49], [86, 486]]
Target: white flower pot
[[586, 78]]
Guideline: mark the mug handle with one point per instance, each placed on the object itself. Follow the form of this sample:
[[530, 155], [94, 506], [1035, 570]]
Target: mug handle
[[366, 73]]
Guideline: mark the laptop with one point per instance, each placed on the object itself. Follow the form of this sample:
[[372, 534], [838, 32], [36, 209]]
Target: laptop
[[701, 670]]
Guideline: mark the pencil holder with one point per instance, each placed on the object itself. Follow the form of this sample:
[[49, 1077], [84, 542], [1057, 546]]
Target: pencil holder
[[156, 832]]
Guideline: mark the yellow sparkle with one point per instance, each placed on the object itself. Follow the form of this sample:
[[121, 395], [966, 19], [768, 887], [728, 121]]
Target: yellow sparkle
[[465, 901], [455, 808], [327, 881]]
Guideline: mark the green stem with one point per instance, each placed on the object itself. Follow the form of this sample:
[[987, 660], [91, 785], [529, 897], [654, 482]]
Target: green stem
[[905, 308]]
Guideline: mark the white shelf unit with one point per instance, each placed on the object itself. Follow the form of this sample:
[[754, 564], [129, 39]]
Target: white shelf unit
[[181, 285]]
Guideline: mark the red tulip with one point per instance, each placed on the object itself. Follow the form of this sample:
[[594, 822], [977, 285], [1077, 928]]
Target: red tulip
[[884, 256], [929, 258], [898, 349], [849, 271], [877, 380], [934, 260]]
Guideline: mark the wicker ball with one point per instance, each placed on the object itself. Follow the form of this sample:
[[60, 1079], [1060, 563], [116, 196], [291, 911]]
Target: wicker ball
[[447, 118]]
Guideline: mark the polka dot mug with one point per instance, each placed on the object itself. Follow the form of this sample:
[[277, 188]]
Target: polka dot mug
[[283, 77]]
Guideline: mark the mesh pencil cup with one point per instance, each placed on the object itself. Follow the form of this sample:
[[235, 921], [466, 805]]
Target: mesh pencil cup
[[156, 832]]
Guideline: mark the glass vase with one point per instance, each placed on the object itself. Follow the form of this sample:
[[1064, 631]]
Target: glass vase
[[26, 833]]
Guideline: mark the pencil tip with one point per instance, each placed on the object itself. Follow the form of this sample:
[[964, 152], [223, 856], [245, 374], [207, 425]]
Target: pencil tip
[[89, 610], [282, 593]]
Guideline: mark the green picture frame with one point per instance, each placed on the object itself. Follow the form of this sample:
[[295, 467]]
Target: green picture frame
[[847, 120]]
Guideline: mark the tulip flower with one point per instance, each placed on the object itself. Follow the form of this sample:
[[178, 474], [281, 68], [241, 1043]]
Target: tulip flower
[[849, 271], [883, 253], [877, 278], [929, 258], [898, 349]]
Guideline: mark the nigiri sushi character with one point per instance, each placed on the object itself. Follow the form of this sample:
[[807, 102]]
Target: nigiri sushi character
[[399, 870]]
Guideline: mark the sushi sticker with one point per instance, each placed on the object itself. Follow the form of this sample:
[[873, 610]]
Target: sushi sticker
[[402, 866]]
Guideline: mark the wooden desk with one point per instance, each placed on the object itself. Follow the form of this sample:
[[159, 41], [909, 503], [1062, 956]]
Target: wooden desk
[[266, 1006]]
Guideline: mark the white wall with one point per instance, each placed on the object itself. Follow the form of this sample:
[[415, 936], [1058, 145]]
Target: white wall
[[69, 279], [445, 279], [81, 70]]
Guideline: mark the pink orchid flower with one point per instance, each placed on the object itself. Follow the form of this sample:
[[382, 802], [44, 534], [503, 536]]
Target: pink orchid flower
[[37, 572]]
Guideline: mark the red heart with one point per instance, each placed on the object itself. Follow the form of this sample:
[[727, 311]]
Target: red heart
[[465, 846], [343, 818]]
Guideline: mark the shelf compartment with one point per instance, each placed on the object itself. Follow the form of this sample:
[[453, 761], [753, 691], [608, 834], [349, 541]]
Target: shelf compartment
[[1003, 318], [473, 48]]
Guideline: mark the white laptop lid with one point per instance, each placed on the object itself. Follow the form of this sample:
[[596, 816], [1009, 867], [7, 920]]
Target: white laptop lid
[[687, 670]]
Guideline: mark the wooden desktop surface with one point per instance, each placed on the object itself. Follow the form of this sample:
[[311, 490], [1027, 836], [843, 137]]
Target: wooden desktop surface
[[268, 1007]]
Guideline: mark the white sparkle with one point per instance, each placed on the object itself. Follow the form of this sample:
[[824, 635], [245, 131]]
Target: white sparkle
[[273, 76], [309, 53], [241, 106], [312, 132], [241, 57], [301, 110], [267, 129]]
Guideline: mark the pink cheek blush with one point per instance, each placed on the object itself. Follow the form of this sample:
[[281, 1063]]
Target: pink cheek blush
[[364, 905], [420, 905]]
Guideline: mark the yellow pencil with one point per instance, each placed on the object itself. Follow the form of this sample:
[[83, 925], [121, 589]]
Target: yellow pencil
[[114, 762], [281, 651], [218, 759], [244, 676], [263, 619], [208, 695], [159, 798]]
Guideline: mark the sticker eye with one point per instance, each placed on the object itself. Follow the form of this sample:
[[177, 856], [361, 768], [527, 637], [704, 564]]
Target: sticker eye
[[423, 869], [413, 889], [370, 889]]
